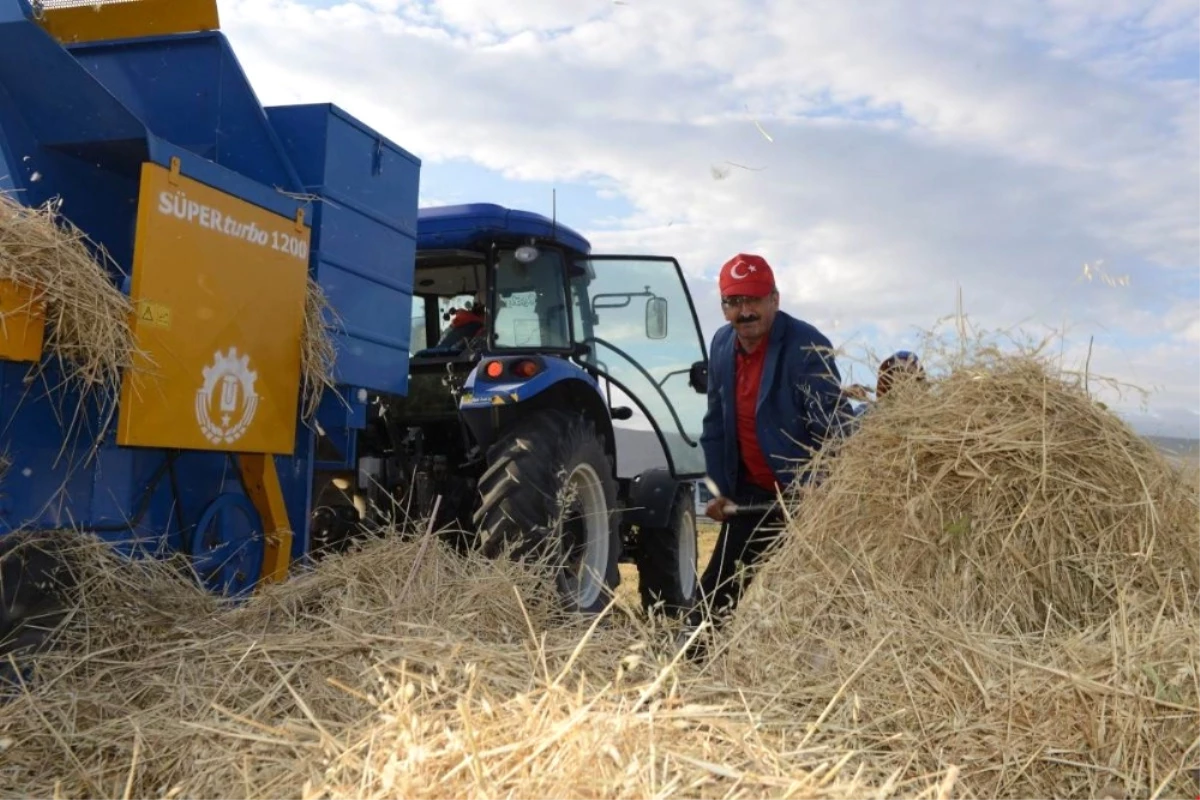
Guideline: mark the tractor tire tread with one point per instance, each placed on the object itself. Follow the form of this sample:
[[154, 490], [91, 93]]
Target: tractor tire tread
[[518, 490], [658, 562]]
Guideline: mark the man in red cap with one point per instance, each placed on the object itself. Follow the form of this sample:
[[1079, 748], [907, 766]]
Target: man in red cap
[[774, 397]]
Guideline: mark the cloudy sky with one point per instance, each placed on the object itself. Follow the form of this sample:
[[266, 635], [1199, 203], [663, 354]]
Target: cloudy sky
[[1041, 157]]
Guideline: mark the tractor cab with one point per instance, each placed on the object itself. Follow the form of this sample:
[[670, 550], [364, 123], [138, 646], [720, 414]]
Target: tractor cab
[[499, 285]]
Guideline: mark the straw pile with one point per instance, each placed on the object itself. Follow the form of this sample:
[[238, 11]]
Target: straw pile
[[996, 574], [317, 351], [993, 593], [88, 318], [400, 670]]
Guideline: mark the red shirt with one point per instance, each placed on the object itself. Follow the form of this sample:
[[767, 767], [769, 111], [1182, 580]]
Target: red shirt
[[465, 316], [748, 375]]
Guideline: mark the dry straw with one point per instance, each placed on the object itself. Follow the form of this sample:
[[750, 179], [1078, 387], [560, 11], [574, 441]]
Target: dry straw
[[400, 670], [88, 318], [993, 593], [317, 353], [996, 574]]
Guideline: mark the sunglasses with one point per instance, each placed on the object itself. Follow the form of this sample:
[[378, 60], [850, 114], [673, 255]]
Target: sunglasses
[[737, 301]]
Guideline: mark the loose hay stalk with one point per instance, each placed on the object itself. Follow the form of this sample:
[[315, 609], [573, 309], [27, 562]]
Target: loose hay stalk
[[88, 318], [318, 353]]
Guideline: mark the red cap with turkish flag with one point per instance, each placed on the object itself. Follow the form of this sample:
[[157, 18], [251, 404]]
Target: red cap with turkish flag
[[747, 275]]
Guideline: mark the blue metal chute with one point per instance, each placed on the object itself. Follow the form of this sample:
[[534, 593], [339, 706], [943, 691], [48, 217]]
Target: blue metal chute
[[202, 101], [84, 119], [62, 135], [58, 102]]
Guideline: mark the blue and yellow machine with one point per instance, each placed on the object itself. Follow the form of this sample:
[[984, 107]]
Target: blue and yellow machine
[[138, 118], [214, 213]]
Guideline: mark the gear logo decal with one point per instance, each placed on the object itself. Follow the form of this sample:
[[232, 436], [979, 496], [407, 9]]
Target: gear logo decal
[[230, 381]]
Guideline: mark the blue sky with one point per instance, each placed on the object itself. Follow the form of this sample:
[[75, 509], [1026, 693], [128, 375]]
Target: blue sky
[[578, 204], [900, 151]]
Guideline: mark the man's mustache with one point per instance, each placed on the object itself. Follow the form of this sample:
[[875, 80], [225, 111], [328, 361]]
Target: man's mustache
[[747, 318]]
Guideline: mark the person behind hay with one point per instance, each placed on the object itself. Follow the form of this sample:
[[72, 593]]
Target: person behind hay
[[774, 398], [901, 365], [898, 366]]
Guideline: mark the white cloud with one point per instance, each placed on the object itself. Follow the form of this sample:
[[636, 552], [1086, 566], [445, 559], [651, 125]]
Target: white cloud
[[515, 18], [997, 148], [1183, 321]]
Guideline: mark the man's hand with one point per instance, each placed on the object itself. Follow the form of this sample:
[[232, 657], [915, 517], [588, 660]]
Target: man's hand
[[857, 392], [715, 510]]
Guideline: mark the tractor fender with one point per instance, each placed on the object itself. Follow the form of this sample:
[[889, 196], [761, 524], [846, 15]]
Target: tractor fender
[[490, 407], [652, 495], [483, 389]]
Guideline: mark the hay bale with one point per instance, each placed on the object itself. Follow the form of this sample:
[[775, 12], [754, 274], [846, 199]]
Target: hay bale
[[396, 670], [1003, 489], [996, 574], [88, 319]]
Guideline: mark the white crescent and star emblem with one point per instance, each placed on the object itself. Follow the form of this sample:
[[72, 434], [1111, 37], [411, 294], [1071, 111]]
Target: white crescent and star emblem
[[733, 272]]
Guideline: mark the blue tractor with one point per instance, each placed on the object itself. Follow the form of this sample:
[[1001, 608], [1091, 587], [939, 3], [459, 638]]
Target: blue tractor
[[520, 338], [492, 376]]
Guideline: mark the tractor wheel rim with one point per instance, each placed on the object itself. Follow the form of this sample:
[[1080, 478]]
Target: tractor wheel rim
[[586, 580], [687, 555]]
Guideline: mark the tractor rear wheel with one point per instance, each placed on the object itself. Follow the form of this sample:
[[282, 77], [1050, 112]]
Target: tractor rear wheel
[[549, 493], [666, 559]]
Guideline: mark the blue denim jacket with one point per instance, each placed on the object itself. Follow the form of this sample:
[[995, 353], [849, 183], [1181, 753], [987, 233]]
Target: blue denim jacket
[[800, 403]]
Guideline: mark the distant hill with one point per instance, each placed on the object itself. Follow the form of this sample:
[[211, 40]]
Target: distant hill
[[639, 450], [1183, 449]]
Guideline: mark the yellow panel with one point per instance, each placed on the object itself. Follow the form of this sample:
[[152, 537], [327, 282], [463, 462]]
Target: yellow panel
[[22, 323], [218, 290], [71, 22]]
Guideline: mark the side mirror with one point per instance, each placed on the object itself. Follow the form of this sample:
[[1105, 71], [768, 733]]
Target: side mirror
[[698, 377], [656, 318]]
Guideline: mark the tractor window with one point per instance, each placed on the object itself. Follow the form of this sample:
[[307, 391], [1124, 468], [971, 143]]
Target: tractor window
[[458, 321], [636, 316], [532, 309]]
